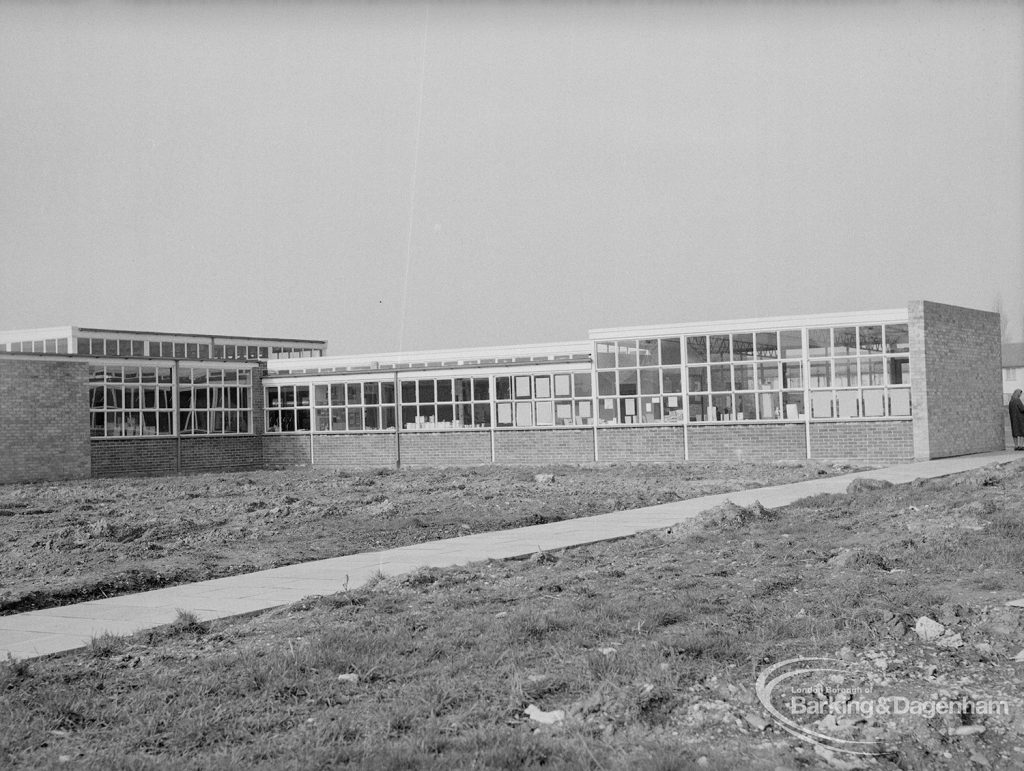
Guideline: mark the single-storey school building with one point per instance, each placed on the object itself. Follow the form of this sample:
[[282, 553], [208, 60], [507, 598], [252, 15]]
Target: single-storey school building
[[894, 385]]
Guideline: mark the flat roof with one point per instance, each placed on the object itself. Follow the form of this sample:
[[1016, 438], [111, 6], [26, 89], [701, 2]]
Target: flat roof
[[74, 331]]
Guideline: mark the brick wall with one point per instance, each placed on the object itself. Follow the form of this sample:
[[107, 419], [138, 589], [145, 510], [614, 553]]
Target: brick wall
[[465, 447], [956, 382], [280, 450], [748, 441], [354, 449], [220, 453], [135, 456], [641, 443], [880, 441], [44, 419], [542, 445]]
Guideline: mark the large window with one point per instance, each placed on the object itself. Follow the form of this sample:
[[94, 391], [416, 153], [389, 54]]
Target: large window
[[745, 376], [131, 401], [640, 381], [462, 402], [549, 399], [214, 401], [859, 371], [362, 406]]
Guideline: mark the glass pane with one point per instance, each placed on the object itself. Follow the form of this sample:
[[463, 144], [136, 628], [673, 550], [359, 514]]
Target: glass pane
[[628, 412], [899, 401], [670, 351], [320, 394], [542, 388], [371, 393], [387, 393], [482, 415], [322, 420], [563, 413], [845, 372], [721, 407], [899, 371], [820, 374], [648, 353], [650, 381], [672, 380], [768, 406], [337, 393], [746, 407], [387, 417], [627, 352], [792, 375], [504, 416], [897, 339], [524, 414], [581, 384], [696, 349], [767, 345], [355, 419], [793, 405], [425, 389], [821, 404], [503, 387], [337, 419], [606, 411], [697, 378], [845, 340], [743, 377], [606, 355], [718, 347], [371, 418], [791, 344], [672, 409], [870, 339], [482, 390], [463, 389], [721, 377], [743, 346], [606, 383], [445, 415], [408, 392], [872, 371], [627, 382], [698, 408], [583, 413], [302, 396], [563, 385], [768, 376], [545, 413], [522, 387], [444, 390], [650, 409], [818, 342], [874, 402], [302, 420], [847, 405]]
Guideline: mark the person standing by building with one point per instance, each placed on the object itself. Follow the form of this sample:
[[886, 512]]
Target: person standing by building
[[1017, 420]]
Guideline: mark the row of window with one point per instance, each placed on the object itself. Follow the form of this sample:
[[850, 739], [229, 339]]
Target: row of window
[[99, 346], [50, 345], [852, 371], [139, 401]]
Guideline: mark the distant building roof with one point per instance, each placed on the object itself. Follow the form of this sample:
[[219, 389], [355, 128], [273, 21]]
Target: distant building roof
[[1013, 354]]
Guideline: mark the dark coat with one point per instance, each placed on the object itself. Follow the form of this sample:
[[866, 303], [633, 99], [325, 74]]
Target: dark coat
[[1016, 417]]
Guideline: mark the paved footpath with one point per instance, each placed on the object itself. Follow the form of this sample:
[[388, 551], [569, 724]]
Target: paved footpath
[[41, 632]]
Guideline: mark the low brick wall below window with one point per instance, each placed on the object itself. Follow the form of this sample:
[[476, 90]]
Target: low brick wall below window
[[458, 447], [748, 441], [282, 450], [641, 443], [220, 453], [880, 441], [544, 445], [149, 456], [354, 449]]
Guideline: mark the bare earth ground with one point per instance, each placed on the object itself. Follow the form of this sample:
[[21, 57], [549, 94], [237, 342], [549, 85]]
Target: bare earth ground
[[75, 541], [643, 653]]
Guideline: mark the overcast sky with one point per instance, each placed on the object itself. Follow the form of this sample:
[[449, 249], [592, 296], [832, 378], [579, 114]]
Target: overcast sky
[[399, 176]]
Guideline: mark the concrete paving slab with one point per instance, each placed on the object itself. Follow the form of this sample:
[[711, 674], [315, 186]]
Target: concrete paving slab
[[42, 632]]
